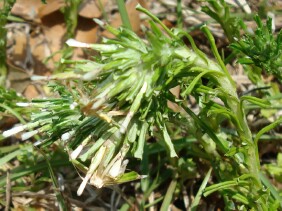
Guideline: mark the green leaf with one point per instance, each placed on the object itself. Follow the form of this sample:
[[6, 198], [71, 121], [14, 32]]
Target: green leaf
[[166, 136], [245, 60], [224, 185], [272, 189], [169, 195], [141, 141], [224, 111], [12, 155], [97, 144], [168, 142], [8, 149], [133, 131], [129, 176], [22, 171], [196, 79], [201, 124], [267, 128], [263, 103], [198, 196]]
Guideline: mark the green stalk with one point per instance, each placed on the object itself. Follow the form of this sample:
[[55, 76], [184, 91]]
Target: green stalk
[[154, 18], [252, 159], [4, 12], [179, 14], [70, 14], [101, 6], [216, 54], [123, 14], [71, 11], [232, 103]]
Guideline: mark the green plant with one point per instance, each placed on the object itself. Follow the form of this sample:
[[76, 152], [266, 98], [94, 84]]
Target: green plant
[[110, 106], [262, 49]]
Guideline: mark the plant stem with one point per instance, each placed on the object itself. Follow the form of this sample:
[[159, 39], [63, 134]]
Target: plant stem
[[245, 134], [70, 14], [179, 14], [154, 18], [233, 103], [4, 12], [123, 14], [101, 6]]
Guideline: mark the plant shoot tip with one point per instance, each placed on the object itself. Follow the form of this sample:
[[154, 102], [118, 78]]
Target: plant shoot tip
[[138, 6]]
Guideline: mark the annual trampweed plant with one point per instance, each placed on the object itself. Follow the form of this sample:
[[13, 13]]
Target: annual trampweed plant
[[114, 109]]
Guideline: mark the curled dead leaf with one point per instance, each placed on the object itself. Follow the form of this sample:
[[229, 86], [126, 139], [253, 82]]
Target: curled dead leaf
[[50, 7], [27, 9], [91, 8]]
